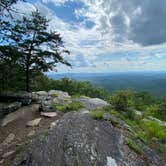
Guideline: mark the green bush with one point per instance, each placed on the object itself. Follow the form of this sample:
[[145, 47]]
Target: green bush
[[153, 129], [130, 113], [151, 110], [74, 106], [121, 100], [162, 111]]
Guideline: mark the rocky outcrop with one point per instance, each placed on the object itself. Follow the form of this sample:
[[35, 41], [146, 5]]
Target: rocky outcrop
[[10, 102], [24, 98], [92, 103], [77, 139], [6, 108], [23, 111], [46, 99], [60, 97]]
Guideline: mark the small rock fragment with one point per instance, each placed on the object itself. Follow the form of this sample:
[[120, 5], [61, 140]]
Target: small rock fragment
[[53, 124], [7, 154], [31, 133], [2, 161], [49, 114], [34, 122], [9, 139]]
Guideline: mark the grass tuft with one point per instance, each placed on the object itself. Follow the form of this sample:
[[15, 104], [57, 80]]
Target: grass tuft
[[97, 114]]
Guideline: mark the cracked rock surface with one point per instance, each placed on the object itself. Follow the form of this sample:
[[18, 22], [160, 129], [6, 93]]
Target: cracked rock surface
[[79, 140]]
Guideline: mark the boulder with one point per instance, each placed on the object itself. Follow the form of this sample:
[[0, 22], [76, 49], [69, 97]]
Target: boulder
[[60, 97], [24, 97], [42, 93], [44, 99], [21, 112], [92, 103], [6, 108], [79, 140], [34, 122], [58, 93]]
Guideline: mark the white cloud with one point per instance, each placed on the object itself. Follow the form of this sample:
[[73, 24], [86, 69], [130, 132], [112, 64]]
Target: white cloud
[[112, 31], [56, 2]]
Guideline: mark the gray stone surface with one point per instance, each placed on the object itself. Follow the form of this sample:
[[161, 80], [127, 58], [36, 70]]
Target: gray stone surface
[[8, 139], [19, 113], [79, 140], [34, 122], [31, 133], [92, 103], [7, 154], [6, 108], [117, 122], [60, 97]]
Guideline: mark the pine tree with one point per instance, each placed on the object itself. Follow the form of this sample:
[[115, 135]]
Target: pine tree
[[38, 50], [6, 5]]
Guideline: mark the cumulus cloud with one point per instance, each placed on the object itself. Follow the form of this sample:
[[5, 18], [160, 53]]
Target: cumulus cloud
[[140, 21]]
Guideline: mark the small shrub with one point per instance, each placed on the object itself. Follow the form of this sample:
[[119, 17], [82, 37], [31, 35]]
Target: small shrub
[[61, 108], [153, 129], [97, 114], [74, 106], [130, 114], [162, 111], [151, 110], [121, 100]]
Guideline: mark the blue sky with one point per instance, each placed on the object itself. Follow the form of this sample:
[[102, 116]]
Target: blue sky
[[107, 35]]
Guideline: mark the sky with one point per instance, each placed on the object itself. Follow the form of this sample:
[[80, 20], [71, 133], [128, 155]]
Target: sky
[[107, 35]]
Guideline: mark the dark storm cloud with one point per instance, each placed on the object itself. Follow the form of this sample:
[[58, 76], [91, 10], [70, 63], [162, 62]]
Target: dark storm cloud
[[146, 18]]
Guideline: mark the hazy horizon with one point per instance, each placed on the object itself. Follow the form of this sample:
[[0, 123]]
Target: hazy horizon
[[152, 82]]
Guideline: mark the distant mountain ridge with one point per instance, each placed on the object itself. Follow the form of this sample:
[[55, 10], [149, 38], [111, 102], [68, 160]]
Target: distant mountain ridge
[[153, 82]]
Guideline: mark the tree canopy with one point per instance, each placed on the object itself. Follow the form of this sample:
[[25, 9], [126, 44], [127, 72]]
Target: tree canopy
[[29, 44]]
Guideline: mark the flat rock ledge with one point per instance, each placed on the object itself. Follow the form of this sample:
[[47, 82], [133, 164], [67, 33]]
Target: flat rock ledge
[[92, 103], [79, 140]]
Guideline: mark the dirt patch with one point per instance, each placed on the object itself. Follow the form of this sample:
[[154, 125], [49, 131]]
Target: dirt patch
[[21, 131]]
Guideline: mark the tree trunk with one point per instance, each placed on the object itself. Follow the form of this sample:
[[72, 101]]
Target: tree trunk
[[27, 79]]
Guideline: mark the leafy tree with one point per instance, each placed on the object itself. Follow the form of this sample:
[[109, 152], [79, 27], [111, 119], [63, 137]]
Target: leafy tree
[[37, 49], [11, 74], [162, 110], [122, 100]]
